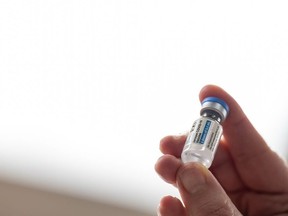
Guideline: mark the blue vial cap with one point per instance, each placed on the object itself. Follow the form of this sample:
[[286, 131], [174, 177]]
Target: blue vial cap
[[216, 100], [217, 105]]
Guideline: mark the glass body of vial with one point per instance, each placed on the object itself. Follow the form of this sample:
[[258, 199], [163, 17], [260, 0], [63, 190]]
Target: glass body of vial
[[205, 134]]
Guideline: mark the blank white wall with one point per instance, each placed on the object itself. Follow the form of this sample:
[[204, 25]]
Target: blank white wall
[[88, 88]]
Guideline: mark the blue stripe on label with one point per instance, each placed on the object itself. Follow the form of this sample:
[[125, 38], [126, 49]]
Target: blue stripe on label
[[205, 131]]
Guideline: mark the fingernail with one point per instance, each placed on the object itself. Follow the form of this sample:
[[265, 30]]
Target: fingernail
[[193, 177]]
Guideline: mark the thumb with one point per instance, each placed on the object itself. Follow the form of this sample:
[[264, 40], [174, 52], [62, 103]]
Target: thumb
[[201, 193]]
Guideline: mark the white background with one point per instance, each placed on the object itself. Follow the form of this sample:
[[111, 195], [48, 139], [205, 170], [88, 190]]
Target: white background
[[88, 88]]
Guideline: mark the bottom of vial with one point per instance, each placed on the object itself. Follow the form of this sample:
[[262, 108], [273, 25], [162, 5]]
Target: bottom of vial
[[192, 157]]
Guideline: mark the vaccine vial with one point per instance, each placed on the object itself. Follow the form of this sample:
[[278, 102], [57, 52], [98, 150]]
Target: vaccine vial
[[205, 134]]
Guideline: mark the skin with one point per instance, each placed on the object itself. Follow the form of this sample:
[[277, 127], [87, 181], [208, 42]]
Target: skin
[[246, 177]]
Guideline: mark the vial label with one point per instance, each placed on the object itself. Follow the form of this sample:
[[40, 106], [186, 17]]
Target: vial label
[[204, 132]]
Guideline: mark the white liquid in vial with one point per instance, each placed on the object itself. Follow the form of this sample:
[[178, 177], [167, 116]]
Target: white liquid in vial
[[202, 141]]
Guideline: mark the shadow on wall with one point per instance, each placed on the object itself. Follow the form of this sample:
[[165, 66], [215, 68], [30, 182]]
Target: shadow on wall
[[17, 200]]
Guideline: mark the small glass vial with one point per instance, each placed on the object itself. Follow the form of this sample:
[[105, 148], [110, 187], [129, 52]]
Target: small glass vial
[[205, 134]]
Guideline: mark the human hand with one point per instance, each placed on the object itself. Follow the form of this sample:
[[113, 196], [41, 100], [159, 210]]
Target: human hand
[[246, 176]]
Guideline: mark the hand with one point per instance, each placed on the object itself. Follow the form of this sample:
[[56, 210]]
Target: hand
[[246, 177]]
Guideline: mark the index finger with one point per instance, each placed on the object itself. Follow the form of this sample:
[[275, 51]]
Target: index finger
[[252, 157], [245, 141]]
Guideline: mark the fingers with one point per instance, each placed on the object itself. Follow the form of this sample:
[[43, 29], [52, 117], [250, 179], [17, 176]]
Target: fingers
[[173, 145], [248, 150], [167, 167], [171, 206], [202, 195], [223, 167]]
